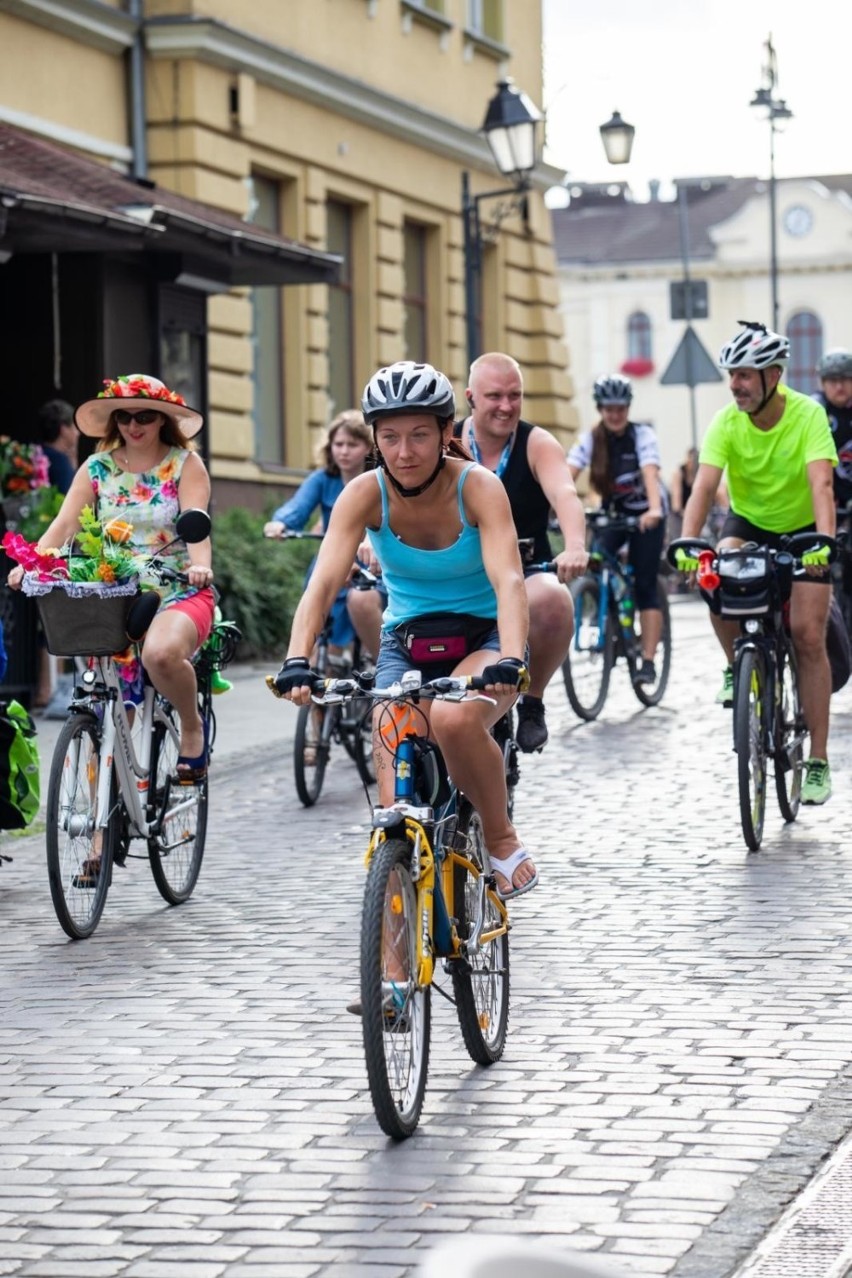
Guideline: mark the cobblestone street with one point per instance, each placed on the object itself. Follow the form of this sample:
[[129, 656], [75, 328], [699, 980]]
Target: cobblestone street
[[184, 1093]]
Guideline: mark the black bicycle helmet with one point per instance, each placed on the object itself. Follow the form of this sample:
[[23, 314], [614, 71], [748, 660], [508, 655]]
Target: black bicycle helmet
[[613, 390], [407, 387], [835, 363]]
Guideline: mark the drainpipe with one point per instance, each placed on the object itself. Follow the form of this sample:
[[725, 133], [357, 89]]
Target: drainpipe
[[138, 140]]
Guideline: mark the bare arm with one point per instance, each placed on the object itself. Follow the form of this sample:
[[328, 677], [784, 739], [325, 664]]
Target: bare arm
[[194, 494], [488, 506], [822, 491], [554, 476], [67, 522], [700, 499]]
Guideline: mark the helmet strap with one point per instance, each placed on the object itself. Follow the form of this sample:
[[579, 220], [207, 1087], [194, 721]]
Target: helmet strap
[[766, 396]]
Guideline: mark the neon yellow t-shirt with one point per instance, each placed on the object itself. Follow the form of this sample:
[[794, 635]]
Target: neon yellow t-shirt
[[767, 474]]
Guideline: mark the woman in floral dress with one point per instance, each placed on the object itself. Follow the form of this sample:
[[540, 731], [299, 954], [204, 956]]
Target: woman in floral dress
[[143, 474]]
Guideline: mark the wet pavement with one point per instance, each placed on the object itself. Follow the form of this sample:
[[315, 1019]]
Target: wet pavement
[[184, 1093]]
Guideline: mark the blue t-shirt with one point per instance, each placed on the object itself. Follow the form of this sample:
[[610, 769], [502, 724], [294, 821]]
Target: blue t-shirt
[[319, 489]]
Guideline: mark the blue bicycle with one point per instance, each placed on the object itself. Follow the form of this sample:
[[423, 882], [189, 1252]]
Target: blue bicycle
[[604, 626]]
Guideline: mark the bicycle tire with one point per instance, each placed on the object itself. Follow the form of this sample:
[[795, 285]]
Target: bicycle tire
[[789, 760], [587, 666], [480, 980], [503, 733], [70, 835], [395, 1014], [651, 694], [176, 850], [750, 745], [314, 728]]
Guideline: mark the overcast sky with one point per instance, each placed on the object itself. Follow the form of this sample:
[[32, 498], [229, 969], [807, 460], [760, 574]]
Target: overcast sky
[[683, 73]]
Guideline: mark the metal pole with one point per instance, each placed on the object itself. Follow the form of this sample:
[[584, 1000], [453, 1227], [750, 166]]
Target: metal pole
[[472, 265], [683, 222], [773, 234]]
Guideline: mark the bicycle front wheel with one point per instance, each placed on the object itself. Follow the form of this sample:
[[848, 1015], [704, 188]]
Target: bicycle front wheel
[[789, 737], [396, 1014], [176, 849], [750, 745], [588, 664], [481, 976], [651, 694], [79, 856], [311, 749]]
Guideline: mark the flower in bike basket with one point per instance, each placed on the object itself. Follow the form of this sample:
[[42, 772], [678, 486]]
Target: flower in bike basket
[[118, 530], [44, 564], [102, 556]]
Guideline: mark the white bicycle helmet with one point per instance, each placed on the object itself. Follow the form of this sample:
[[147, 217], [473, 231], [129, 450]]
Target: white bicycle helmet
[[613, 390], [755, 346], [835, 363], [406, 387]]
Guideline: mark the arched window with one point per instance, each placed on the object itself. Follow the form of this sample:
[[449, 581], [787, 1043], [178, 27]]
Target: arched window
[[639, 336], [805, 333], [640, 360]]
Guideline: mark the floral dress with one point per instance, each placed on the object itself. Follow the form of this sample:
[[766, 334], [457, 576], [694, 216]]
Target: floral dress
[[149, 503]]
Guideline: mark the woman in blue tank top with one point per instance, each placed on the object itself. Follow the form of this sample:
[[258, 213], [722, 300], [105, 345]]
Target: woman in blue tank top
[[442, 533]]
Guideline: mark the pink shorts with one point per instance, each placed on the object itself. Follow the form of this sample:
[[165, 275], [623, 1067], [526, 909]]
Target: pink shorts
[[199, 608]]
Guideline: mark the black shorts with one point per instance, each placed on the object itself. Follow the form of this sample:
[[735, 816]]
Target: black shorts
[[736, 526]]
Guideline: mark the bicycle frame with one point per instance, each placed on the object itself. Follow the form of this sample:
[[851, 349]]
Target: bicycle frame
[[435, 892], [118, 750]]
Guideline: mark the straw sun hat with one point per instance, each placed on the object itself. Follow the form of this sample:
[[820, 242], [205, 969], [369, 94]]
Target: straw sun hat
[[136, 392]]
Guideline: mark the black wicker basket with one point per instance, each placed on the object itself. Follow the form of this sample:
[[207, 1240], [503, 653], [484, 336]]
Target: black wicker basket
[[84, 625]]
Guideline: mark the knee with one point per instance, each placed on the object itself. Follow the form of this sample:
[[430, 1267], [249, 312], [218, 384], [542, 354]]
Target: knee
[[551, 612]]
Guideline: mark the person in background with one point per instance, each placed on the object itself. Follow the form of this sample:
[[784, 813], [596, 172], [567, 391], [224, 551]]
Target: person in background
[[59, 437], [680, 488], [835, 373], [623, 459], [344, 453], [530, 463]]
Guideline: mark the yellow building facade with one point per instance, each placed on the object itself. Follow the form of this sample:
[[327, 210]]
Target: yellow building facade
[[343, 126]]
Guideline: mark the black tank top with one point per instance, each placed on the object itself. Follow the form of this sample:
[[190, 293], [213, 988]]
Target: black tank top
[[530, 507]]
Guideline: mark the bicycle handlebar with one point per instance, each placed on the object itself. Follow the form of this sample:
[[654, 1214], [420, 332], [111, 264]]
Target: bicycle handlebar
[[618, 523], [805, 543], [360, 684]]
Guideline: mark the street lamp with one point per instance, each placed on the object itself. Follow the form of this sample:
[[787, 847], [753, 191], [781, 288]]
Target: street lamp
[[617, 138], [776, 109], [511, 131]]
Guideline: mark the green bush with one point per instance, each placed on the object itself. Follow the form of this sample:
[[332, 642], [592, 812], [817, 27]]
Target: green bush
[[260, 581]]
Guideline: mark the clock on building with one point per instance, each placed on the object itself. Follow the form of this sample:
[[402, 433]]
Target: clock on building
[[798, 219]]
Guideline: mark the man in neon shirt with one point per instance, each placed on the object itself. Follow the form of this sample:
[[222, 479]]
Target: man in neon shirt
[[775, 446]]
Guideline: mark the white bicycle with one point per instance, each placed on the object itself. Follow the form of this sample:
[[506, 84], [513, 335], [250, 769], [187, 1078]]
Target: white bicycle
[[113, 777]]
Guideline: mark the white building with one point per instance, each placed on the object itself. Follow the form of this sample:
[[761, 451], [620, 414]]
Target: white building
[[617, 259]]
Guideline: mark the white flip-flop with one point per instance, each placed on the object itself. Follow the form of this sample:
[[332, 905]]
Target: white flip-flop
[[507, 866]]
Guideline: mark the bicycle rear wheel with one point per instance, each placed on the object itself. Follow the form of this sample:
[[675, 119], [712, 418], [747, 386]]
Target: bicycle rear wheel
[[481, 977], [651, 694], [588, 664], [79, 857], [789, 737], [176, 850], [356, 733], [750, 745], [311, 749], [396, 1014]]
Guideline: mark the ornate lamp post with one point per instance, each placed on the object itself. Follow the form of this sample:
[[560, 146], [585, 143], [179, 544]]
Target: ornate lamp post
[[511, 131]]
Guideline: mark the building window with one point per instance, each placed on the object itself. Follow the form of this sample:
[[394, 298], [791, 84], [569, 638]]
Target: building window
[[805, 333], [485, 18], [267, 336], [414, 302], [341, 334], [639, 336]]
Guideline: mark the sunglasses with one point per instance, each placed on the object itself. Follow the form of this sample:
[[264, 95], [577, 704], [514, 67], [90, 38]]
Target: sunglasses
[[143, 418]]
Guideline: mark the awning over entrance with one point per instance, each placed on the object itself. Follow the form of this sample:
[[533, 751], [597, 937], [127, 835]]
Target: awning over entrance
[[53, 201]]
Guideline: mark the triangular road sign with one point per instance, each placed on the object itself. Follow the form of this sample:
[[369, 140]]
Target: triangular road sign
[[690, 363]]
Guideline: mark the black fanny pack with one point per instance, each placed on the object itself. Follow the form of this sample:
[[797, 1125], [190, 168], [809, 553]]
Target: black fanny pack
[[443, 636]]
